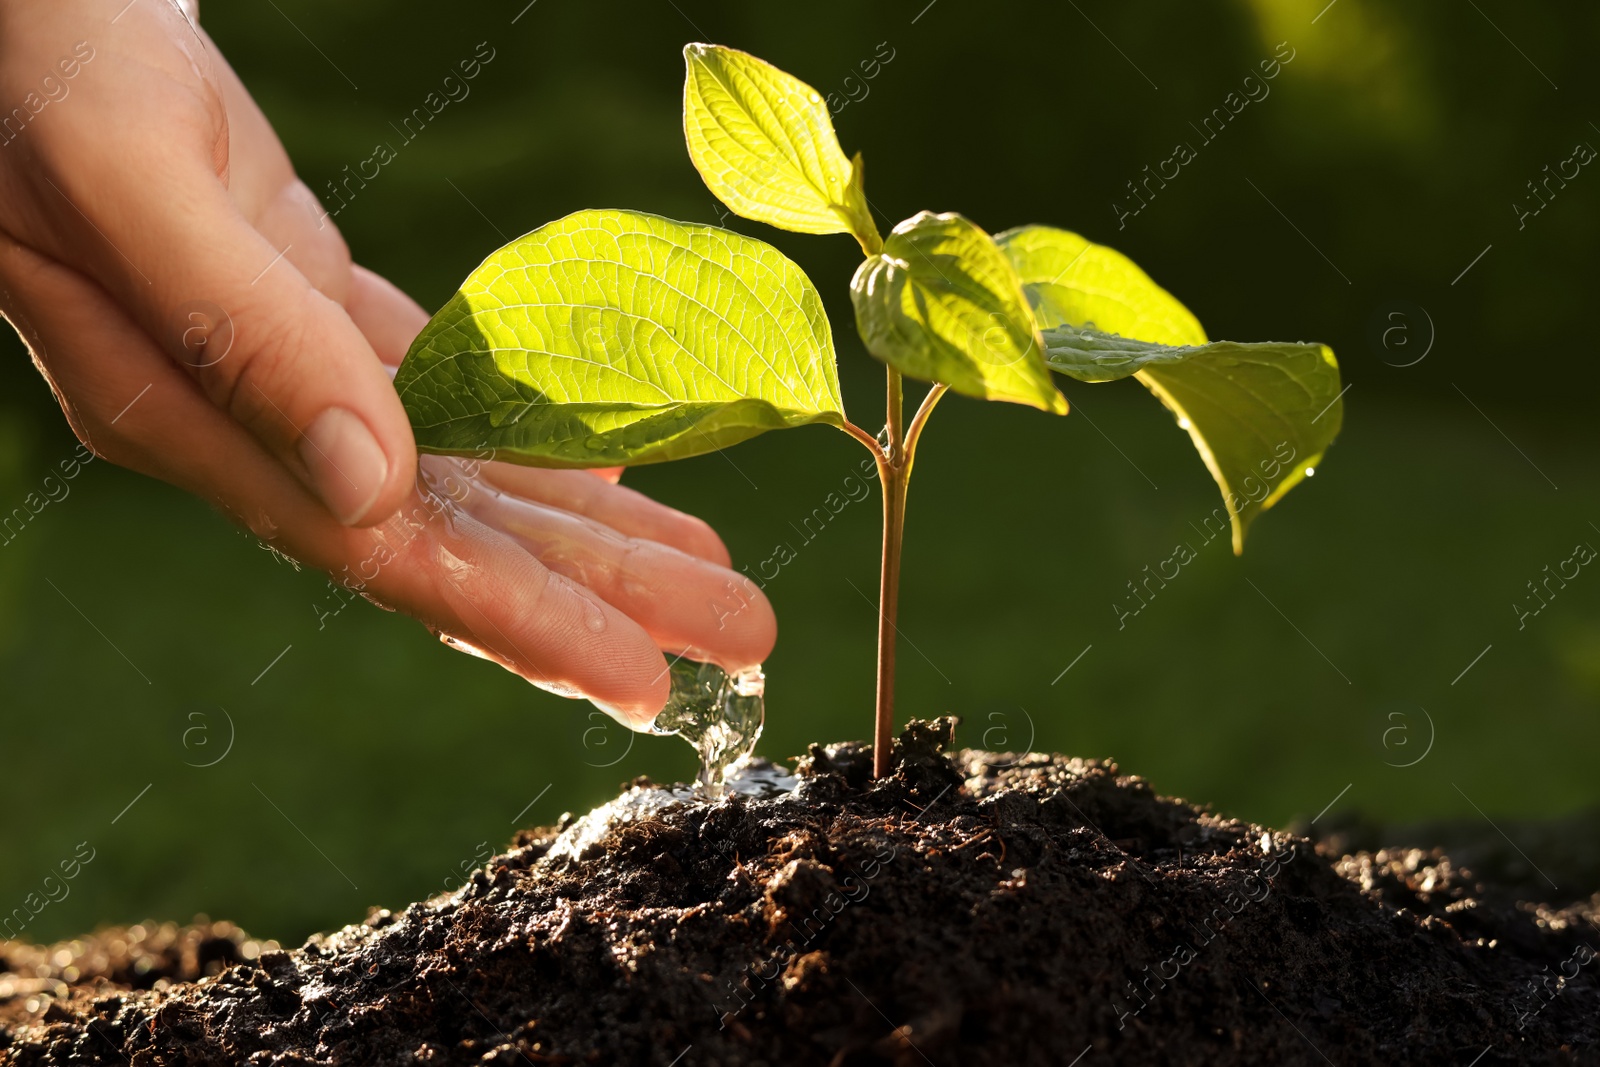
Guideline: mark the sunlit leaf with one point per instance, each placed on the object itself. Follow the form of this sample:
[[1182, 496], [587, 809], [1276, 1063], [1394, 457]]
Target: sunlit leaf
[[942, 303], [1075, 281], [1261, 415], [616, 337], [856, 210], [764, 143]]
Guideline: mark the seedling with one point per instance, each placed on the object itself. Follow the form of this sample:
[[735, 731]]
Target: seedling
[[615, 337]]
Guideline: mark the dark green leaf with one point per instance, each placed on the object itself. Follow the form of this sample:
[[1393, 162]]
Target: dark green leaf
[[942, 303], [1260, 415]]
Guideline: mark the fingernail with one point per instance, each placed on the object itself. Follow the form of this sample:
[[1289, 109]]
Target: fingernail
[[347, 466], [637, 721]]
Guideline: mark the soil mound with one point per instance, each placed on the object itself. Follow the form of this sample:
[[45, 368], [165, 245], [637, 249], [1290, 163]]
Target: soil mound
[[980, 908]]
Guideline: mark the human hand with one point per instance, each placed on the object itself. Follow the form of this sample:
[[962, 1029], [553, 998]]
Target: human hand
[[199, 319]]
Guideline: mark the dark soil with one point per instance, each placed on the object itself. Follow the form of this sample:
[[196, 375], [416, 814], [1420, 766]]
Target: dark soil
[[980, 909]]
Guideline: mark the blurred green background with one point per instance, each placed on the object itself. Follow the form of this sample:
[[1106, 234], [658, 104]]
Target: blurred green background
[[370, 762]]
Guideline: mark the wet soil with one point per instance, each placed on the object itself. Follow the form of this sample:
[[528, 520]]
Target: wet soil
[[978, 908]]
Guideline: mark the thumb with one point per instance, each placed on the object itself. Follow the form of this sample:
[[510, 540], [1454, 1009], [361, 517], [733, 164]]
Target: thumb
[[159, 229], [288, 363], [266, 346]]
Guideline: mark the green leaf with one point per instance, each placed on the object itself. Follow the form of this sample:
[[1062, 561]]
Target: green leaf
[[1071, 280], [942, 303], [615, 337], [1089, 355], [857, 212], [764, 143], [1261, 415]]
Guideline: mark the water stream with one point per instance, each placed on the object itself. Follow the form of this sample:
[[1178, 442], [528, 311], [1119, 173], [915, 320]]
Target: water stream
[[719, 714]]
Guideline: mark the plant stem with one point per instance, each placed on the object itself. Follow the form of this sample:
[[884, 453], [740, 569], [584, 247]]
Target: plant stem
[[919, 420], [869, 441], [894, 427], [894, 456], [894, 467]]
